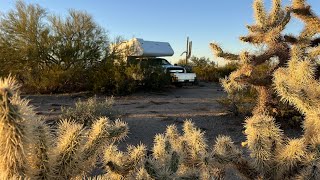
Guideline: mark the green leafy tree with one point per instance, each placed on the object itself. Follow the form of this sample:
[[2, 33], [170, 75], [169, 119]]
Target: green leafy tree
[[78, 42], [50, 53], [23, 39]]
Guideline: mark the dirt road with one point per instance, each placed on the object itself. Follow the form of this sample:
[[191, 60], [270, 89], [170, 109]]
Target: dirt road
[[149, 113]]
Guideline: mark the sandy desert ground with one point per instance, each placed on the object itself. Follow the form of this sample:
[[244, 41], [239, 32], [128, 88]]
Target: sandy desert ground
[[149, 113]]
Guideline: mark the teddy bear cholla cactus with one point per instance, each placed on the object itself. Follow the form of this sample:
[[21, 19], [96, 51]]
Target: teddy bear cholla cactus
[[294, 79], [266, 31], [28, 148], [182, 156]]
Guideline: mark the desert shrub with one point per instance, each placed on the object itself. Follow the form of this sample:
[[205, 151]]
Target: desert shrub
[[155, 78], [240, 102], [87, 111], [223, 71], [113, 78], [48, 53], [54, 79], [149, 73], [206, 73]]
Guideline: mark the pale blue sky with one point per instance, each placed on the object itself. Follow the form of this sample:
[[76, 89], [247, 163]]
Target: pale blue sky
[[204, 21]]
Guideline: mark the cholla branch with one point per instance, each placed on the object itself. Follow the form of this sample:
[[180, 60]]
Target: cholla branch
[[102, 133], [259, 12], [303, 11], [291, 158], [276, 13], [264, 139], [219, 53], [67, 150], [124, 165], [13, 131], [40, 157]]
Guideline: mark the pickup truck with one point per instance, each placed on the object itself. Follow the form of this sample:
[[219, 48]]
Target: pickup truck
[[178, 74], [139, 51]]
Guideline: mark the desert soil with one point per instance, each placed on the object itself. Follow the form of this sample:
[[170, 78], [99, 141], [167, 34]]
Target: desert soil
[[148, 114]]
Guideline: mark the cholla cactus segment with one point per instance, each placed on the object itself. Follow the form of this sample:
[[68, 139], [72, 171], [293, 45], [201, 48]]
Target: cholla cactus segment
[[264, 138], [157, 170], [118, 130], [303, 11], [263, 99], [291, 157], [40, 156], [13, 131], [67, 150], [194, 144], [97, 137], [142, 174], [276, 13], [173, 137], [315, 52], [259, 12], [103, 132], [298, 4], [219, 52], [296, 84], [164, 162], [124, 165], [225, 150], [161, 148], [10, 85]]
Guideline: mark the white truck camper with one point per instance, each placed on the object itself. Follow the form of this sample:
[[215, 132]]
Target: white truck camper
[[153, 51]]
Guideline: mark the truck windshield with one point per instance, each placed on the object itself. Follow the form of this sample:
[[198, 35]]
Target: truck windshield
[[165, 62]]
